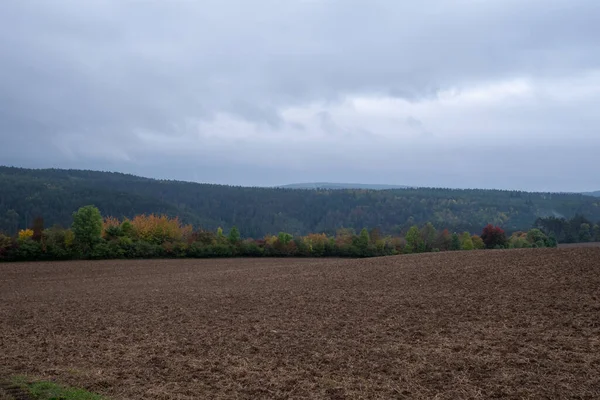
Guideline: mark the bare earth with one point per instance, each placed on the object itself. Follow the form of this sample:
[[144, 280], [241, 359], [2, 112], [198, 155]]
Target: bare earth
[[490, 324], [571, 245]]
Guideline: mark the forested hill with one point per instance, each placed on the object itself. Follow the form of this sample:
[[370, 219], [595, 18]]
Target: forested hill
[[54, 194], [329, 185]]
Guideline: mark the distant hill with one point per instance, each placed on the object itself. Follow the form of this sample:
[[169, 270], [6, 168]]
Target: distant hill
[[329, 185], [595, 194], [55, 193]]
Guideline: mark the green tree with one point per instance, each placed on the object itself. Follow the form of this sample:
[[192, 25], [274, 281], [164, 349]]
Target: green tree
[[536, 236], [466, 242], [414, 241], [429, 235], [455, 242], [363, 243], [551, 241], [597, 233], [234, 235], [87, 227], [585, 233], [127, 229], [284, 238], [364, 238]]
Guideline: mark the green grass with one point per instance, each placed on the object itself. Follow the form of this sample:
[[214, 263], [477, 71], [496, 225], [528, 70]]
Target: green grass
[[42, 390]]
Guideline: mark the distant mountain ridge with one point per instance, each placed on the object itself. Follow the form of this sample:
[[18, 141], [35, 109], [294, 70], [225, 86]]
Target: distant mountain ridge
[[55, 194], [333, 185], [595, 194]]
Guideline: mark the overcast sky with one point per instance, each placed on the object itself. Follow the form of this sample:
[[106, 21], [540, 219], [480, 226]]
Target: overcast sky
[[452, 93]]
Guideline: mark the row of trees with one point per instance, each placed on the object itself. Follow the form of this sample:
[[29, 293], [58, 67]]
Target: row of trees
[[149, 236]]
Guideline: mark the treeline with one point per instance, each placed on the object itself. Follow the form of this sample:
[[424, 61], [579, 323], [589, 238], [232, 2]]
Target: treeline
[[53, 193], [152, 236], [575, 230]]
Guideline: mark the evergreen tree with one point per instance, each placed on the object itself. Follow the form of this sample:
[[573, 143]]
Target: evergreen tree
[[234, 235], [455, 242], [585, 233]]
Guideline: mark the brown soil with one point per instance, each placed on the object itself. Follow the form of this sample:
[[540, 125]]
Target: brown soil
[[587, 244], [479, 325]]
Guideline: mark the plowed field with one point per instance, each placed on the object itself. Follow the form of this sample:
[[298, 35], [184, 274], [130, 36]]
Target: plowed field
[[491, 324]]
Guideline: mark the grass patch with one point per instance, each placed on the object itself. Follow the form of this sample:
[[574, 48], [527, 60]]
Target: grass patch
[[44, 390]]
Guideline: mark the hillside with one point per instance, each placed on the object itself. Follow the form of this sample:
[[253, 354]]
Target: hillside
[[54, 194], [595, 194], [329, 185]]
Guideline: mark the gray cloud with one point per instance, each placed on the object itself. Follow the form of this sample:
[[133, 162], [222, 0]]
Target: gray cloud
[[113, 84]]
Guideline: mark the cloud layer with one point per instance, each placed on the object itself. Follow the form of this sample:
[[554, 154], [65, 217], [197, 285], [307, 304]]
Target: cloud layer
[[466, 93]]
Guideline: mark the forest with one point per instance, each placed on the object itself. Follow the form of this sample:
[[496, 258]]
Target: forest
[[575, 230], [53, 194]]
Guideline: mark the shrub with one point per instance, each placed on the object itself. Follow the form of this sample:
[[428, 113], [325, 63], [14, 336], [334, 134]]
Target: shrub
[[251, 249], [28, 250], [100, 251], [6, 246], [141, 249], [55, 244], [222, 250]]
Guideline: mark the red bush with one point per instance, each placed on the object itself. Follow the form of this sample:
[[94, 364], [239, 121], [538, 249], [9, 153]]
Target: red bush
[[493, 236]]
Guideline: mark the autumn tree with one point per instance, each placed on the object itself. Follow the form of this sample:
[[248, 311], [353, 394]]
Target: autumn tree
[[25, 234], [316, 244], [220, 237], [375, 235], [38, 229], [111, 228], [444, 240], [477, 242], [158, 229], [493, 237], [519, 240]]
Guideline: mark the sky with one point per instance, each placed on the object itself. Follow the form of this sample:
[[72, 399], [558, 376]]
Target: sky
[[446, 93]]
